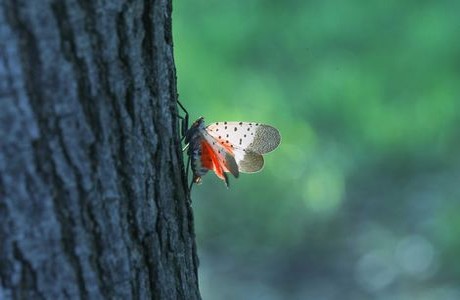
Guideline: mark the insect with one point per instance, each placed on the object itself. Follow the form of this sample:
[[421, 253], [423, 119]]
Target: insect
[[228, 147]]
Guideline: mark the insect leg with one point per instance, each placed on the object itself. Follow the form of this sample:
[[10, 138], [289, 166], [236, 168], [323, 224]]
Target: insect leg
[[184, 119]]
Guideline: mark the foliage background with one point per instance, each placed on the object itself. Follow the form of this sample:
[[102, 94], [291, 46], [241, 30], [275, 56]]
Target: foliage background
[[362, 199]]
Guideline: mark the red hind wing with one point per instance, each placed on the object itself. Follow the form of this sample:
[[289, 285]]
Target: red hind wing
[[210, 161], [217, 158]]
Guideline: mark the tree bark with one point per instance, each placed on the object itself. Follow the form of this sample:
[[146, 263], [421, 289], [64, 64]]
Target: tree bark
[[93, 198]]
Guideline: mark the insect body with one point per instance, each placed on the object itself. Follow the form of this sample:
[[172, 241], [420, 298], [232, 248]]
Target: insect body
[[229, 147]]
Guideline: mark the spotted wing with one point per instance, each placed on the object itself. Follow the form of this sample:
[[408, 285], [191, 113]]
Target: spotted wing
[[248, 140]]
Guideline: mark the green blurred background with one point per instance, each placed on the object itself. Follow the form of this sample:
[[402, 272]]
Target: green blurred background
[[362, 198]]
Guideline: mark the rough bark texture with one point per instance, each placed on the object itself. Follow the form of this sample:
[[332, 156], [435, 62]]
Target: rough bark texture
[[93, 200]]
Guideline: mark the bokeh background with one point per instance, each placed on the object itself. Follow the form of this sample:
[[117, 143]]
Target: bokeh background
[[362, 198]]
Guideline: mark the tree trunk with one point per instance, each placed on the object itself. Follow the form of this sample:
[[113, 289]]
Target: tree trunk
[[93, 199]]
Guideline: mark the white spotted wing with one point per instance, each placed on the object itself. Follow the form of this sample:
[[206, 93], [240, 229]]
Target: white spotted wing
[[248, 140]]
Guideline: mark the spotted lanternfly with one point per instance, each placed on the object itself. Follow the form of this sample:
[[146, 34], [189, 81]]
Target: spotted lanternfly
[[228, 147]]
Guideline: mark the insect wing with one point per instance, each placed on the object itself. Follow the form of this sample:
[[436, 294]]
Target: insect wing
[[247, 140], [248, 161], [255, 137], [216, 156]]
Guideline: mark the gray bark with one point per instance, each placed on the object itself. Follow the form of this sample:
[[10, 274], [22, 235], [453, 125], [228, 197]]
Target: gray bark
[[93, 199]]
